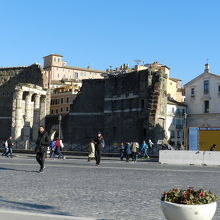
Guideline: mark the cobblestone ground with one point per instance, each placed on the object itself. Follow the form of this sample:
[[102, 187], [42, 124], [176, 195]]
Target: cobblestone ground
[[115, 190]]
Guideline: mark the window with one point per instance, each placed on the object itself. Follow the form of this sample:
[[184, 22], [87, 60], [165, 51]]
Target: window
[[58, 59], [55, 59], [172, 134], [61, 101], [67, 99], [67, 109], [52, 111], [192, 91], [61, 109], [206, 106], [57, 111], [206, 86], [219, 89]]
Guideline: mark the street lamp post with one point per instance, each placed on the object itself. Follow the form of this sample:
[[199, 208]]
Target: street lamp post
[[185, 132], [59, 119]]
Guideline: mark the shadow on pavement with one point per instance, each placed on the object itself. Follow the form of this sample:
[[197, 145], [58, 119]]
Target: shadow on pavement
[[26, 171], [30, 207]]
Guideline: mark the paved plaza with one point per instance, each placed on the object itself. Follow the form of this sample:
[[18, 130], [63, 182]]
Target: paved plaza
[[74, 187]]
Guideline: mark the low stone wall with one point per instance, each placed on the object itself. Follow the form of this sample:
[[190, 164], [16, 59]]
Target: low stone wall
[[189, 157]]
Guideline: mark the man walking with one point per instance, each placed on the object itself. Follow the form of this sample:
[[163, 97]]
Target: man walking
[[8, 147], [99, 145], [41, 147]]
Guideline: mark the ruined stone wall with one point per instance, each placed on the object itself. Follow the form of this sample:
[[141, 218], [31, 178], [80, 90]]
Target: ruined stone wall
[[9, 78], [123, 100], [86, 116], [126, 107], [135, 104]]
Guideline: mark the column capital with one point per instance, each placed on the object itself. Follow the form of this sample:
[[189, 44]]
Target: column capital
[[29, 94], [18, 94]]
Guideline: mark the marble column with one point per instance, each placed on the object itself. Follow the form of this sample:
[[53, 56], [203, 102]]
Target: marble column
[[36, 117], [18, 115], [27, 119], [42, 110]]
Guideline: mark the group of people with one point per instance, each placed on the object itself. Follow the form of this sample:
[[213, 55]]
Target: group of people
[[127, 150], [55, 148], [96, 146], [133, 150], [42, 143]]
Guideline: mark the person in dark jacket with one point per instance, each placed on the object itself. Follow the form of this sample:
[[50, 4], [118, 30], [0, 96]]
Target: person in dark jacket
[[41, 147], [212, 148], [99, 145]]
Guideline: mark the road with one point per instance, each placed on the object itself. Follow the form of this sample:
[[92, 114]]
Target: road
[[114, 190]]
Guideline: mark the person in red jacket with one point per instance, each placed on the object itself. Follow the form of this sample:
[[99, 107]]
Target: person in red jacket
[[58, 148]]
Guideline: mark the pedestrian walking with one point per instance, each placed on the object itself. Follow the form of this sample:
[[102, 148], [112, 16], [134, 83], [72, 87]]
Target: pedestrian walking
[[8, 147], [99, 145], [134, 151], [91, 150], [150, 146], [144, 148], [41, 147], [127, 151], [52, 149], [212, 148], [122, 151], [5, 145], [58, 148]]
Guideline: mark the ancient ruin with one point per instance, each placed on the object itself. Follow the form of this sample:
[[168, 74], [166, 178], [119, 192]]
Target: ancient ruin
[[23, 98], [28, 112], [124, 107]]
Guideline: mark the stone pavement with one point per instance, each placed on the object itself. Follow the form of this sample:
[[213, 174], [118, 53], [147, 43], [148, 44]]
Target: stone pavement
[[74, 187], [18, 215]]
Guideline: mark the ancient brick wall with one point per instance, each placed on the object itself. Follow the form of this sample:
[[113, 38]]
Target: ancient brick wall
[[126, 107], [86, 117]]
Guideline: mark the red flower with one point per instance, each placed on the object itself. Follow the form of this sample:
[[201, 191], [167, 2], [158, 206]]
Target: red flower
[[201, 194]]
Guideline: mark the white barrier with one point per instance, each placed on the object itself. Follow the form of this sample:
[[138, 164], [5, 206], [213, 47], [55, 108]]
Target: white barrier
[[211, 158], [181, 157]]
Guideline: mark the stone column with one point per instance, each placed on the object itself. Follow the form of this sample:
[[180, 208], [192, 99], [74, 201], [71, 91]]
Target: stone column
[[27, 120], [13, 115], [36, 118], [18, 115], [42, 110]]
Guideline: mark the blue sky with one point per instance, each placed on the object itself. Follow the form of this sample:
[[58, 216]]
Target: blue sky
[[181, 34]]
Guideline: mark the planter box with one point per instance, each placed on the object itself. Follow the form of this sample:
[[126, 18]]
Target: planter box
[[174, 211]]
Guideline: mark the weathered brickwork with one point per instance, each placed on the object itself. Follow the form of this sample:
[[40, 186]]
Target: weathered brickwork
[[126, 107]]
